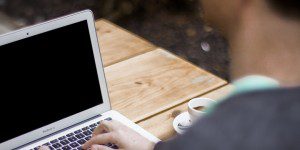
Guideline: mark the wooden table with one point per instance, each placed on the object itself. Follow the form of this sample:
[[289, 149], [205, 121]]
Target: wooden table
[[147, 83]]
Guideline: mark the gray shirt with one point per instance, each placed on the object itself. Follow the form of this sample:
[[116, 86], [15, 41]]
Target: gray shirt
[[261, 120]]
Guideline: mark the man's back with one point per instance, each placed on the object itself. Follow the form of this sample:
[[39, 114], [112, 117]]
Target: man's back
[[263, 120]]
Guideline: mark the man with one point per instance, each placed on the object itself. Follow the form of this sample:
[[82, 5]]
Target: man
[[264, 37]]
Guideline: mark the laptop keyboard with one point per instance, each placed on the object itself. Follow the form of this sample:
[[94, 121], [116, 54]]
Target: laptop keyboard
[[74, 140]]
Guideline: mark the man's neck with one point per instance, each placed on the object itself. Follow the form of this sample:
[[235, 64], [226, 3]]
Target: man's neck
[[268, 46]]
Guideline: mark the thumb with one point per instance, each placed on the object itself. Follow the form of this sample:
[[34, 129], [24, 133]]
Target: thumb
[[100, 147]]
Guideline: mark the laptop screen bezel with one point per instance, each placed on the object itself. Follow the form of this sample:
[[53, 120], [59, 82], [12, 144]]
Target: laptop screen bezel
[[80, 116]]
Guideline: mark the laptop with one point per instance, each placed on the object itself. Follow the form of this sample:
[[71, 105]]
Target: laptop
[[53, 87]]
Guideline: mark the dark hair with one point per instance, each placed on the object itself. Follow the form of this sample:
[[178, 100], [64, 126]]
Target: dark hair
[[288, 8]]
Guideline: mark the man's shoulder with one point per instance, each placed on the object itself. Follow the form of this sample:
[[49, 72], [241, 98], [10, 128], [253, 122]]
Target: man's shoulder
[[257, 117], [262, 120], [281, 100], [290, 92]]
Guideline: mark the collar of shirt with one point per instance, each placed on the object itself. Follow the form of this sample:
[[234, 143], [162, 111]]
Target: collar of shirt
[[247, 84]]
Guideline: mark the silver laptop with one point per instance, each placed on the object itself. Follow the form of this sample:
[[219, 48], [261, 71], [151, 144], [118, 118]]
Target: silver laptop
[[53, 88]]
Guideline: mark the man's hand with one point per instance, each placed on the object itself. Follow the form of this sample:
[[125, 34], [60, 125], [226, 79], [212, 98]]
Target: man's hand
[[44, 148], [118, 134]]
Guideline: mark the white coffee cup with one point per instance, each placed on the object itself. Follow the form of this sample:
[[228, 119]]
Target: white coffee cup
[[196, 103]]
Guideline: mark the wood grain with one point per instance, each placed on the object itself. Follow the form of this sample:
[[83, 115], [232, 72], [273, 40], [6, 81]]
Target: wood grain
[[117, 44], [161, 125], [155, 81]]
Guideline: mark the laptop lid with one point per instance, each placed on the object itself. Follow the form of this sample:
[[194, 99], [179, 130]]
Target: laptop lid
[[51, 78]]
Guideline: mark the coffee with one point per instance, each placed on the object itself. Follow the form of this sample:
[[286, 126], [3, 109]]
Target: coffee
[[200, 108], [197, 107]]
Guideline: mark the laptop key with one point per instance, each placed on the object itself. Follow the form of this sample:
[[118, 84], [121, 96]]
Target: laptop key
[[79, 148], [85, 128], [72, 139], [36, 148], [66, 148], [93, 125], [108, 119], [81, 141], [87, 132], [56, 145], [54, 141], [73, 145], [88, 138], [79, 136], [62, 138], [47, 144], [78, 131], [64, 142], [92, 129], [70, 134]]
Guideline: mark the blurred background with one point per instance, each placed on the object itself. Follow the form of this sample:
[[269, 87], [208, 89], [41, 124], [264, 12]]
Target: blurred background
[[175, 25]]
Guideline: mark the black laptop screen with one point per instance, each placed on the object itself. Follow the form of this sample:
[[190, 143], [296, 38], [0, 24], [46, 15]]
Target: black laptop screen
[[46, 78]]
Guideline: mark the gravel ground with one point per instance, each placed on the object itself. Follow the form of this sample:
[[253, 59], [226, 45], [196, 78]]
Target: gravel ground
[[172, 24]]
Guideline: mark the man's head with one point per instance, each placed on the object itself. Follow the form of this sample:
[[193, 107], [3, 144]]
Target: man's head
[[263, 36], [226, 14]]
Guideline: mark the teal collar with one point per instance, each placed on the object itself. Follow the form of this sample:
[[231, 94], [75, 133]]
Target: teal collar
[[253, 83], [248, 84]]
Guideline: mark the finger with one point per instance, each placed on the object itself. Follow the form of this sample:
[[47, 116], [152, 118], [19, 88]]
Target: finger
[[110, 125], [44, 148], [105, 126], [100, 130], [100, 147], [100, 139]]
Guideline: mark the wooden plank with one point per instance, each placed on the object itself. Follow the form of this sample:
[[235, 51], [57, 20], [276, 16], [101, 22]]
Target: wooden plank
[[117, 44], [161, 125], [155, 81]]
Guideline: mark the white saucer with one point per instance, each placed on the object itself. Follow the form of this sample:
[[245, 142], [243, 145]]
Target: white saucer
[[183, 119]]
